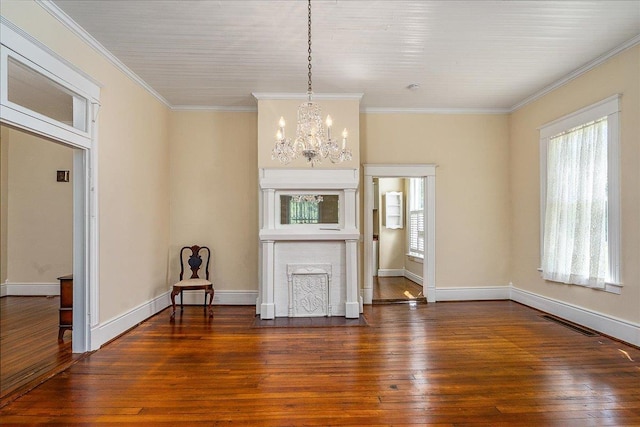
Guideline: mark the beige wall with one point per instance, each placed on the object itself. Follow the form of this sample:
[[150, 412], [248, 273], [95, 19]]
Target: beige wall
[[621, 74], [345, 114], [39, 209], [214, 193], [133, 169], [472, 186], [391, 242]]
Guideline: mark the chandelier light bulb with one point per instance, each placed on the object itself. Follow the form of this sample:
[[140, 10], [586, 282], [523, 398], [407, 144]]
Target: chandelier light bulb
[[279, 135], [329, 121], [281, 123]]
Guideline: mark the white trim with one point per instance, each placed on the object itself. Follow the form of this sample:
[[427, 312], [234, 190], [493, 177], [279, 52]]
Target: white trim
[[29, 289], [399, 110], [608, 325], [81, 33], [413, 277], [473, 293], [303, 96], [584, 115], [428, 173], [106, 331], [16, 43], [609, 107], [221, 297], [308, 179], [390, 272], [577, 73], [214, 108]]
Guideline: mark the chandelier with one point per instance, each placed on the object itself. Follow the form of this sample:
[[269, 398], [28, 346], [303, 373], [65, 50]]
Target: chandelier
[[313, 140]]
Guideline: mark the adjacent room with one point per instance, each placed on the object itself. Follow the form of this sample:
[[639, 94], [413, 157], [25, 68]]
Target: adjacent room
[[393, 212]]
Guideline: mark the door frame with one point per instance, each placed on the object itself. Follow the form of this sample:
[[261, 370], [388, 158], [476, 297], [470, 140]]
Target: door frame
[[426, 172], [22, 47]]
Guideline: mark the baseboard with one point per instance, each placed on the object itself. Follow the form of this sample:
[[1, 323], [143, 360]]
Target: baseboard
[[221, 297], [391, 272], [29, 289], [472, 293], [110, 329], [605, 324], [413, 277]]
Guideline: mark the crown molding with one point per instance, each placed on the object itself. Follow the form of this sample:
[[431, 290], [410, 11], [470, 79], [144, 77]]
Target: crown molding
[[219, 109], [70, 24], [577, 73], [384, 110], [303, 96]]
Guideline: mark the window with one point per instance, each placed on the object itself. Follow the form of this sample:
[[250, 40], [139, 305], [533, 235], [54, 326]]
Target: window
[[416, 217], [579, 198]]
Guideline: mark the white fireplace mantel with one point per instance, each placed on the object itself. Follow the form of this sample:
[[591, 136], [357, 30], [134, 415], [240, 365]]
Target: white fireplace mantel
[[332, 248]]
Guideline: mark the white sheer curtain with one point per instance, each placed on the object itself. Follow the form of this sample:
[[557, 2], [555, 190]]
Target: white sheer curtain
[[575, 227]]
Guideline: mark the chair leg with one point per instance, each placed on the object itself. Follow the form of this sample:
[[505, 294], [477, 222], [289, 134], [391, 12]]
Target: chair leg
[[210, 292], [181, 300], [174, 292]]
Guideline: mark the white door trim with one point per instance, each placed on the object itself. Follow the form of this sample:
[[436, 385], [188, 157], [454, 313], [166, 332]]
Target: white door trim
[[428, 173], [18, 44]]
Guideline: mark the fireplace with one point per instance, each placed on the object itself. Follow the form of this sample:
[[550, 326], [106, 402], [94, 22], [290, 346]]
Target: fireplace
[[308, 243]]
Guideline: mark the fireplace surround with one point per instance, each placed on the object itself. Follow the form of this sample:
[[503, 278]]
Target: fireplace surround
[[308, 269]]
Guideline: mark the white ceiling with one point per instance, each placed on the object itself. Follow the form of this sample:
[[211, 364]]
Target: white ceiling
[[476, 55]]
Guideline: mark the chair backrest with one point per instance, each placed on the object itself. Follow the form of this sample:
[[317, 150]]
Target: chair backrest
[[194, 261]]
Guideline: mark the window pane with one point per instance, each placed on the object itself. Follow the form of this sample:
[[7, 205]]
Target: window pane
[[32, 90]]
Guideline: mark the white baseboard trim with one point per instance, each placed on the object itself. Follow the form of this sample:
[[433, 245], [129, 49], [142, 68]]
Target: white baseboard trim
[[391, 272], [413, 277], [221, 297], [608, 325], [29, 289], [110, 329], [472, 293]]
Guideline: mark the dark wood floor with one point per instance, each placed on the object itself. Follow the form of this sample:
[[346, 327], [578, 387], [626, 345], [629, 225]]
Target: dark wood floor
[[29, 348], [491, 363], [396, 289]]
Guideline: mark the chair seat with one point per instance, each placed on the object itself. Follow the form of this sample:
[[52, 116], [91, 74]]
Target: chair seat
[[193, 283]]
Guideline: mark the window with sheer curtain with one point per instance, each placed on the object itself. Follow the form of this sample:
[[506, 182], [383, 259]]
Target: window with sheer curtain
[[577, 188]]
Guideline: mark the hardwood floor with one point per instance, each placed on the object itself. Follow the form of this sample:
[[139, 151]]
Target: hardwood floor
[[396, 289], [29, 348], [488, 363]]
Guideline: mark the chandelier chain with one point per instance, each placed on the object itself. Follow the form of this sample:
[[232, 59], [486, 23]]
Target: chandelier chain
[[309, 90]]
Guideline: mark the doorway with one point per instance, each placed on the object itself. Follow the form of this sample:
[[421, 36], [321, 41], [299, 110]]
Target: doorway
[[397, 275], [426, 172], [36, 213]]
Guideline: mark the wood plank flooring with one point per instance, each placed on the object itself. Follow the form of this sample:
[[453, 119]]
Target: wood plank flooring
[[489, 363], [29, 348], [396, 289]]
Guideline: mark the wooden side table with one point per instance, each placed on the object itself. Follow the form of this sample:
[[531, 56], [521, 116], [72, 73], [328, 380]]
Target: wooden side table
[[66, 304]]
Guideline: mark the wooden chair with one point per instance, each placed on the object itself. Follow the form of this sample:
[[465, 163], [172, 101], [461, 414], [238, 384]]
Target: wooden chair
[[194, 282]]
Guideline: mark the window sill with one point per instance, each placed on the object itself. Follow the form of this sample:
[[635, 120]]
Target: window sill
[[614, 288], [416, 258]]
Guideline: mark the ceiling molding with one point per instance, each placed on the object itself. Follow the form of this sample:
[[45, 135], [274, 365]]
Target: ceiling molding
[[382, 110], [66, 20], [218, 109], [304, 96], [577, 73]]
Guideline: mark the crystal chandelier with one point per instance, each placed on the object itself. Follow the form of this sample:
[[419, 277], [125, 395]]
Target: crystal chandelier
[[313, 140]]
